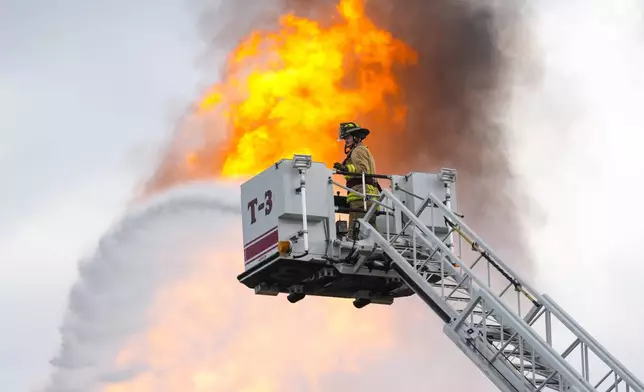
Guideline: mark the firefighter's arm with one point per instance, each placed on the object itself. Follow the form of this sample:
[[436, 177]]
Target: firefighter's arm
[[339, 166], [359, 161]]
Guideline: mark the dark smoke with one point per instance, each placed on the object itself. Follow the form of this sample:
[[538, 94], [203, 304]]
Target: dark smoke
[[456, 95]]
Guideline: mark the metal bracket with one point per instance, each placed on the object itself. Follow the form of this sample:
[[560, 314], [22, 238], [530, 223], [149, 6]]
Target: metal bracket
[[447, 176], [301, 161], [297, 288]]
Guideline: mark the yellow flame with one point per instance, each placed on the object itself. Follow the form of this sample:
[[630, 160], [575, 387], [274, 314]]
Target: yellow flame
[[286, 91]]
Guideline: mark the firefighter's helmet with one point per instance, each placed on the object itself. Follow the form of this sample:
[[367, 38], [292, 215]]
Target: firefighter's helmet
[[351, 128]]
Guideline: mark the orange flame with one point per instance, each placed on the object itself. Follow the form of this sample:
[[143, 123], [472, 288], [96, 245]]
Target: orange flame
[[283, 92], [209, 336], [286, 91]]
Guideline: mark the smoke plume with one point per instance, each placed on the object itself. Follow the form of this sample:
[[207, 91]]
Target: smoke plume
[[158, 307], [470, 54], [578, 143], [119, 282]]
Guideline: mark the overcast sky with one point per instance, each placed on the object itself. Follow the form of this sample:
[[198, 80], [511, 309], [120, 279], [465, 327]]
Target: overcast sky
[[578, 143], [89, 91]]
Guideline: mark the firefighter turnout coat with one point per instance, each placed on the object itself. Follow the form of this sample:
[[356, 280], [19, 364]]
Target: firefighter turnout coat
[[360, 160]]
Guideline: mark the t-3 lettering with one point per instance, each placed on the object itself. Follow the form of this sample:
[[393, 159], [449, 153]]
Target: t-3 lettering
[[268, 200], [251, 207], [267, 206]]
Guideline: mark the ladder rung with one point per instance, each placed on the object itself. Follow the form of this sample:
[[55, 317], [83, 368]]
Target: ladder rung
[[509, 349]]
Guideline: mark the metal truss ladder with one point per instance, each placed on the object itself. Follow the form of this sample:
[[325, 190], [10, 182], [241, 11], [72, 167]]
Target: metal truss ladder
[[472, 295]]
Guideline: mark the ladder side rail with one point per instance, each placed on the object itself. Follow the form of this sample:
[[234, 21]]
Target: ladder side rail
[[483, 245], [536, 341], [411, 276], [565, 319], [502, 374], [429, 237], [425, 290], [593, 344], [520, 325], [431, 240], [447, 259], [473, 339]]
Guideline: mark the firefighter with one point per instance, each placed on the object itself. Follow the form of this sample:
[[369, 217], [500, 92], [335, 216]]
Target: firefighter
[[358, 160]]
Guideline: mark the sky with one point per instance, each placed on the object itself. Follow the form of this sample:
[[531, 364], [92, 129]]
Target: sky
[[89, 93], [577, 145]]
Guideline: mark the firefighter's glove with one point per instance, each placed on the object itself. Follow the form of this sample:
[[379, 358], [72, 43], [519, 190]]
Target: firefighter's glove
[[340, 167]]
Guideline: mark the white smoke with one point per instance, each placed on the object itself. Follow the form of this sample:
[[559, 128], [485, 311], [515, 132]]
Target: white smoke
[[118, 283], [158, 308], [570, 132], [578, 145]]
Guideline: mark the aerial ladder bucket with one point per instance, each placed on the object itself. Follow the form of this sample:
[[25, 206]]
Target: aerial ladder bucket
[[520, 339]]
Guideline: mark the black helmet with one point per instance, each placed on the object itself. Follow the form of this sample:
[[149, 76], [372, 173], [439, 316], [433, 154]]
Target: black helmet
[[351, 128]]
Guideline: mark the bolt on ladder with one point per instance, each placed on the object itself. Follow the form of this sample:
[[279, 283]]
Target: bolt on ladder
[[514, 349]]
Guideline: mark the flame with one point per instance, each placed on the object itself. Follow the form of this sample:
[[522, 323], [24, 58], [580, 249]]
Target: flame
[[286, 91], [282, 92], [208, 334]]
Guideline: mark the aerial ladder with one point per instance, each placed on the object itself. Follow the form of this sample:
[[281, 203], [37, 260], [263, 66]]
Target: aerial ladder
[[520, 339]]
